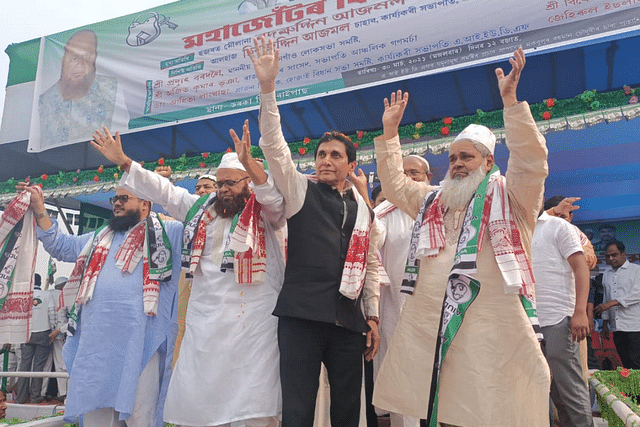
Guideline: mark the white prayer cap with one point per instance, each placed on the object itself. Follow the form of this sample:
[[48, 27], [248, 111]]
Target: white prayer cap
[[480, 134], [230, 161], [207, 176], [422, 159]]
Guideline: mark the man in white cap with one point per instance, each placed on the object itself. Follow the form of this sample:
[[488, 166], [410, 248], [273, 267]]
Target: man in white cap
[[472, 239], [395, 235], [228, 369]]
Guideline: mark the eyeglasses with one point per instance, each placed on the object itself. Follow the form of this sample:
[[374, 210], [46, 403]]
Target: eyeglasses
[[230, 183], [122, 198]]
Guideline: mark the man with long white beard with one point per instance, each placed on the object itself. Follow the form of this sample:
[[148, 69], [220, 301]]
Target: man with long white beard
[[469, 260], [228, 369], [395, 233]]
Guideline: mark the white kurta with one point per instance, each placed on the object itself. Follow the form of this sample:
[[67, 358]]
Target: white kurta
[[395, 234], [395, 231], [228, 369]]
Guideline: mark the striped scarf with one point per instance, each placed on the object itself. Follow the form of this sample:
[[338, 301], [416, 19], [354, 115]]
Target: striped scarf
[[245, 247], [147, 241], [18, 245], [355, 265]]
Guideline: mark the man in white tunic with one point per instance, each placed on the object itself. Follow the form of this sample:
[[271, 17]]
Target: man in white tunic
[[395, 234], [228, 369], [494, 373]]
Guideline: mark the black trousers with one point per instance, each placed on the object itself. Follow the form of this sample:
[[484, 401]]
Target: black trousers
[[628, 348], [304, 345]]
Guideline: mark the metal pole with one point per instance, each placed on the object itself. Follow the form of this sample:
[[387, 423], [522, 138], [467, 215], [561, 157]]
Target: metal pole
[[19, 374], [5, 367], [63, 216]]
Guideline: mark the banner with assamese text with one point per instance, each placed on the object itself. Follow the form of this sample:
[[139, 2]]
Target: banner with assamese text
[[190, 59]]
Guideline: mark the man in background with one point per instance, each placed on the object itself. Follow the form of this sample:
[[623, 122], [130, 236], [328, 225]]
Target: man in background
[[562, 289], [57, 339], [37, 349], [621, 307]]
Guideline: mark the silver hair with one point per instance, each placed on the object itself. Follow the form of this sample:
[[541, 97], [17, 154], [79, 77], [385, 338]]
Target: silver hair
[[482, 149]]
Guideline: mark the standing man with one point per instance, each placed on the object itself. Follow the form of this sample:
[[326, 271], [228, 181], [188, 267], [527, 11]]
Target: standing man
[[36, 351], [472, 241], [122, 296], [621, 307], [562, 289], [228, 368], [57, 338], [395, 235], [331, 250]]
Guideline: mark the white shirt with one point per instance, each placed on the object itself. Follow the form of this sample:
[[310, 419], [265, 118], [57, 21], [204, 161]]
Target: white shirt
[[554, 240], [623, 285], [41, 317], [395, 236]]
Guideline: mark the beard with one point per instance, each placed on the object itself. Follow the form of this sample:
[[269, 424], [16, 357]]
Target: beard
[[228, 208], [124, 222], [457, 192]]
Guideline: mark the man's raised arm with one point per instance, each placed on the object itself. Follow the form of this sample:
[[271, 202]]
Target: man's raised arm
[[263, 187], [289, 181], [143, 183], [398, 188], [527, 167]]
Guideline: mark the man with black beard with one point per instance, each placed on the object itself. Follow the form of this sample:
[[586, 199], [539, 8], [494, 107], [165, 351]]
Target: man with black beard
[[81, 99], [121, 298], [465, 351], [233, 247]]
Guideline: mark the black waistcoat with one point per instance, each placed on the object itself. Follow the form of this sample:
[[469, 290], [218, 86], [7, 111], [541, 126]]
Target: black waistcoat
[[318, 240]]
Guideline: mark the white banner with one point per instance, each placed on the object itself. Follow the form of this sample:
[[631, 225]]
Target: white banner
[[188, 60]]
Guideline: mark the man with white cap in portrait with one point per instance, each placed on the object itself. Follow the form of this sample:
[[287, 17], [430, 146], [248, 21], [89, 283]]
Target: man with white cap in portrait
[[395, 235], [228, 369], [469, 260]]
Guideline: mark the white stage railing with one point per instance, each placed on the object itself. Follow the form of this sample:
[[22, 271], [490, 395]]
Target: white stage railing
[[622, 411]]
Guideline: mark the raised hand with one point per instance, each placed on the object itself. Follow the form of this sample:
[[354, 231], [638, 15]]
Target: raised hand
[[509, 83], [37, 200], [393, 112], [243, 146], [565, 207], [164, 171], [359, 181], [110, 147], [266, 61]]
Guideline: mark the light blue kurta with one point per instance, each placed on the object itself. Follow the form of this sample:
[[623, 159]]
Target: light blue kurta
[[114, 339]]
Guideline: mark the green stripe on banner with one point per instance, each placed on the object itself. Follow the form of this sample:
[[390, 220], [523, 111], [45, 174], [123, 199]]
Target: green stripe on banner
[[237, 104], [23, 61]]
